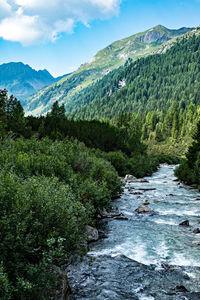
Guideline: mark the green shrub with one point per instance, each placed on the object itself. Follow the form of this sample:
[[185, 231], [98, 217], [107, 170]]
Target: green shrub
[[49, 191], [120, 161]]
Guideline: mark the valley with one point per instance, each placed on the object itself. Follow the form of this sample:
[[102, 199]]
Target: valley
[[100, 174]]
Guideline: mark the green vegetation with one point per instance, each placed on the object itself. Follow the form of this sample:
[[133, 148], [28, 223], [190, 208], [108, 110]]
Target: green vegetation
[[155, 83], [160, 90], [68, 90], [56, 172], [52, 185], [11, 115], [189, 169], [49, 191]]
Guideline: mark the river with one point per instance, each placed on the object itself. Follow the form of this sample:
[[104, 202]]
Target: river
[[145, 257]]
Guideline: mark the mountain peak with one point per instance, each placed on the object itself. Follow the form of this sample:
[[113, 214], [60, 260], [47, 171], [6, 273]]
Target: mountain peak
[[22, 80], [159, 26]]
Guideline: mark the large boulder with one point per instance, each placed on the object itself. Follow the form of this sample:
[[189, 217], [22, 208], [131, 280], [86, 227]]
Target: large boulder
[[142, 180], [181, 288], [103, 213], [92, 233], [144, 209], [185, 223], [196, 243], [196, 231], [130, 178]]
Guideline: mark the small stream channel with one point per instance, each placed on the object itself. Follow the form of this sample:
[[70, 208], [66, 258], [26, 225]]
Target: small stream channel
[[145, 257]]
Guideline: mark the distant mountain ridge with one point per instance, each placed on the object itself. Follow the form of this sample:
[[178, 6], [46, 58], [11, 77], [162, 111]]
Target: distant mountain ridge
[[67, 90], [23, 81], [135, 46]]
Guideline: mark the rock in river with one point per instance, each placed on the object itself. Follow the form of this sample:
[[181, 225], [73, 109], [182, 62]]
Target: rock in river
[[145, 202], [142, 180], [129, 178], [185, 223], [144, 209], [92, 233], [114, 212], [122, 218], [196, 243], [181, 288]]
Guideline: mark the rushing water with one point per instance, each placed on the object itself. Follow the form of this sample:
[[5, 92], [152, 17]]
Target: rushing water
[[145, 257]]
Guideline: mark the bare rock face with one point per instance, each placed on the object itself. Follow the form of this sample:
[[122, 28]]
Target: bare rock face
[[152, 36], [92, 233]]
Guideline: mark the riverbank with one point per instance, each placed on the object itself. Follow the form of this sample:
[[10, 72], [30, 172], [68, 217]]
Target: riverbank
[[145, 256]]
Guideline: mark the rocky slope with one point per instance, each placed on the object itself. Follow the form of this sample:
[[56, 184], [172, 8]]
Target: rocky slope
[[154, 40]]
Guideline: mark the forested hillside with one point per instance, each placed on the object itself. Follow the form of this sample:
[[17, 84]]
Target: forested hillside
[[161, 90], [151, 83], [155, 40]]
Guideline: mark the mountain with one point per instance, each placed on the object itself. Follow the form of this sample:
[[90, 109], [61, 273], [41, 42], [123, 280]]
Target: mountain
[[149, 84], [22, 81], [67, 90]]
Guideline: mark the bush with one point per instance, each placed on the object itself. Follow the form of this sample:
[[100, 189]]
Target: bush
[[120, 161], [49, 191]]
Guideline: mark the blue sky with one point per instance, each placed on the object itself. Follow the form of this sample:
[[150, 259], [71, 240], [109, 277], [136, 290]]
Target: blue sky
[[80, 28]]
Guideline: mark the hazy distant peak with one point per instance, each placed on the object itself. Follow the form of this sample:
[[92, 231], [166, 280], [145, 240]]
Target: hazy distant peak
[[22, 80]]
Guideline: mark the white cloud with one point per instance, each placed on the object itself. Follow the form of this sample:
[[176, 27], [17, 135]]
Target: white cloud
[[5, 9], [34, 21]]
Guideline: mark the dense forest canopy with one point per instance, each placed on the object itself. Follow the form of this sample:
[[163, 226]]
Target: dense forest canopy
[[189, 170], [151, 83]]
